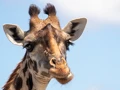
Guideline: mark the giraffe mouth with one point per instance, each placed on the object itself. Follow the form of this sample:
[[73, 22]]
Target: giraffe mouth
[[60, 70], [62, 75], [66, 79]]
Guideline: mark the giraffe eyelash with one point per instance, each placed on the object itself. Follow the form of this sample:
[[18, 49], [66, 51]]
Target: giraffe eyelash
[[68, 43]]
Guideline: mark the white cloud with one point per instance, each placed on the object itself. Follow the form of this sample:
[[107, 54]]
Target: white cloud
[[105, 10]]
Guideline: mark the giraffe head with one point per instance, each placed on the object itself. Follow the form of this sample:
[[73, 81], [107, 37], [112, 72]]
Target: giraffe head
[[46, 43]]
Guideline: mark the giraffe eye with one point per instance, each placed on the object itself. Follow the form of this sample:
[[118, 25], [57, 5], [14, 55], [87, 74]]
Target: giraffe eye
[[29, 46], [68, 43]]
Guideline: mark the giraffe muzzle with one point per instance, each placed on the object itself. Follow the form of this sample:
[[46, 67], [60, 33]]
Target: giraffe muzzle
[[60, 70]]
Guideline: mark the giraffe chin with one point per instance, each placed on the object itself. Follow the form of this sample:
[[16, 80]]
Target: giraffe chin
[[66, 79], [63, 76]]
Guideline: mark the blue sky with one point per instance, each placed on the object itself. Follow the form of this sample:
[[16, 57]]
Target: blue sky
[[94, 59]]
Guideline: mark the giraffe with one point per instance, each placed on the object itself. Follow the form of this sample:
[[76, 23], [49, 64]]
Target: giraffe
[[46, 44]]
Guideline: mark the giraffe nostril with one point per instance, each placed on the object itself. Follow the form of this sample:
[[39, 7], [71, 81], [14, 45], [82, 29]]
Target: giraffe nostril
[[57, 62], [53, 62]]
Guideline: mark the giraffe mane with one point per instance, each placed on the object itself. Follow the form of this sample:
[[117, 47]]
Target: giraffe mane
[[13, 75]]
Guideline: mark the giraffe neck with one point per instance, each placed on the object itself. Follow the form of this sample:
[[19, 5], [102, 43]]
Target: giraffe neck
[[23, 78]]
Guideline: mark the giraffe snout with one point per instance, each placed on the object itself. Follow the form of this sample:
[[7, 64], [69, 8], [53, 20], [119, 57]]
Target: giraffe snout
[[58, 63], [59, 68]]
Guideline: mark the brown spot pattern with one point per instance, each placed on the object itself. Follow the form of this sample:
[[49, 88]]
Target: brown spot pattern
[[18, 83], [29, 82]]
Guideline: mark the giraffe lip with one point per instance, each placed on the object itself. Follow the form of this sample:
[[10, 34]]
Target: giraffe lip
[[66, 79], [59, 76], [59, 72]]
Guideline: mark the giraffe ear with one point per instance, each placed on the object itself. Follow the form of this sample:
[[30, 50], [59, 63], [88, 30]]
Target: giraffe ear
[[75, 28], [14, 33]]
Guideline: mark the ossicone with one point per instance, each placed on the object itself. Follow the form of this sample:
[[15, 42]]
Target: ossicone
[[33, 10], [50, 9]]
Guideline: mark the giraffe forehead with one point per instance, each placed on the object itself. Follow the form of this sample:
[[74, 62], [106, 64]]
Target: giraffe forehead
[[46, 34]]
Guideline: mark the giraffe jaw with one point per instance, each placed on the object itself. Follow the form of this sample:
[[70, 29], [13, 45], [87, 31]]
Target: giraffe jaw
[[66, 79], [59, 72], [63, 75]]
